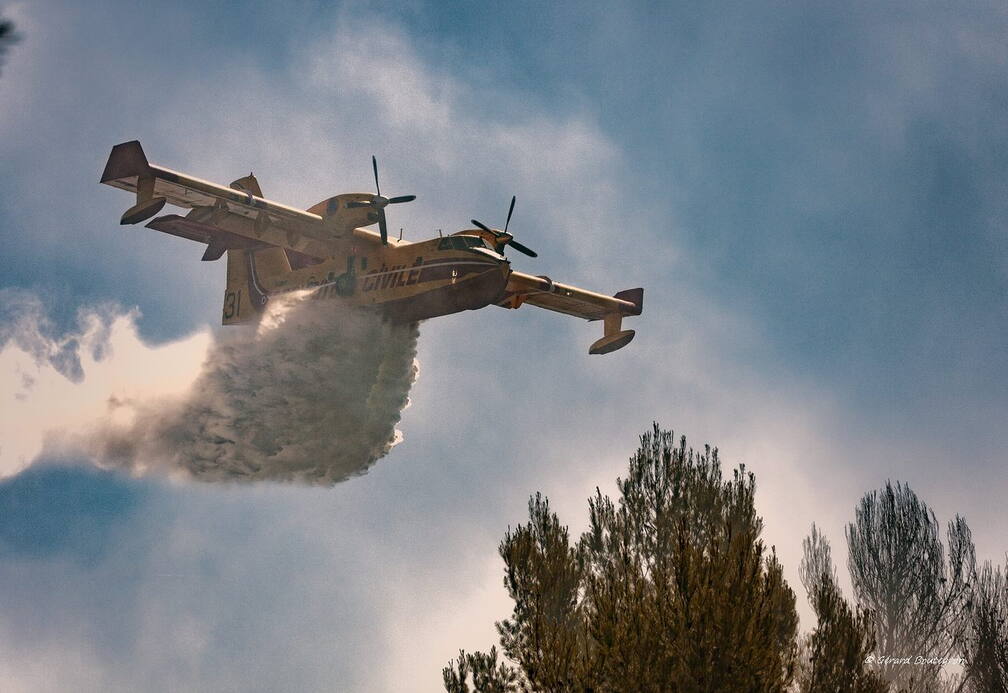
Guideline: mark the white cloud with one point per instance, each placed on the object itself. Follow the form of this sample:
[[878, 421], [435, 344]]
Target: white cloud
[[104, 360]]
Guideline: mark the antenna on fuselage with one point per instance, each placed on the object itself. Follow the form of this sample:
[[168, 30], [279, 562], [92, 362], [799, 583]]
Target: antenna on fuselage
[[400, 233]]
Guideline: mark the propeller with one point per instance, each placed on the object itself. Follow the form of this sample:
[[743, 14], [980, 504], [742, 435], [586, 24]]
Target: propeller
[[504, 238], [379, 203]]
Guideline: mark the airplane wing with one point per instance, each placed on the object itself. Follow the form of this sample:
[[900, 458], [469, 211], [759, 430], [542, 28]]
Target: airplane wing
[[226, 217], [570, 300], [230, 231]]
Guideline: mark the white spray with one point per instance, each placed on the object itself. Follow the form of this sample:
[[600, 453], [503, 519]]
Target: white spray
[[312, 396]]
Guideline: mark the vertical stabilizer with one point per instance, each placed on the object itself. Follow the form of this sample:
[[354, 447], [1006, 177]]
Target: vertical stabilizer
[[270, 263], [244, 299], [247, 184]]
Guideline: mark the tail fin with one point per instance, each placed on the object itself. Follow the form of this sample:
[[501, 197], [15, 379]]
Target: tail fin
[[271, 262], [247, 184], [244, 299]]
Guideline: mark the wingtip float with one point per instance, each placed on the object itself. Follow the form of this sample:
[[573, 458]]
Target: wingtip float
[[272, 248]]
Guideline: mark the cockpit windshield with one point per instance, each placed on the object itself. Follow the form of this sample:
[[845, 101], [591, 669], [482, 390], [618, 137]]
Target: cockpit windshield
[[462, 243], [474, 241]]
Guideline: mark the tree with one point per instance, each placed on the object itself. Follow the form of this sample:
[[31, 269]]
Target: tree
[[546, 634], [488, 676], [670, 588], [834, 655], [984, 642], [917, 602]]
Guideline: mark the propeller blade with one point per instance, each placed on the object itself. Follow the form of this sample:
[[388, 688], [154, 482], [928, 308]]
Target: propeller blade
[[503, 238], [522, 249], [374, 165], [353, 204], [383, 226], [402, 198]]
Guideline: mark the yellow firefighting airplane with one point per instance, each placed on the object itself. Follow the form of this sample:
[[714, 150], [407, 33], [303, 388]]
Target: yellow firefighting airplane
[[272, 248]]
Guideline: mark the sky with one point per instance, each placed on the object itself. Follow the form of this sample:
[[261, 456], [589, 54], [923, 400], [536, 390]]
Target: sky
[[812, 195]]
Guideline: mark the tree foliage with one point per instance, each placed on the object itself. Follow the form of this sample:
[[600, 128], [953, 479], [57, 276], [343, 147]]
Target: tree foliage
[[486, 673], [833, 656], [984, 641], [670, 588], [916, 600]]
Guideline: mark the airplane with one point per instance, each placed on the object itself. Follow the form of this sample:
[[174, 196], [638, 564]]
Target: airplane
[[273, 249]]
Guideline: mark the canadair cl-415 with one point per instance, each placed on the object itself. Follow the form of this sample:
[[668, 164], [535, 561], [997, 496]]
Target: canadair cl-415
[[272, 248]]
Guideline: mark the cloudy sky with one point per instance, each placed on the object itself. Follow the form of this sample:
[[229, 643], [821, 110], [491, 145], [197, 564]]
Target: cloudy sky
[[813, 196]]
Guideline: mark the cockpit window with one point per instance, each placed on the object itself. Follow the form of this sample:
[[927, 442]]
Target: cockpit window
[[461, 243]]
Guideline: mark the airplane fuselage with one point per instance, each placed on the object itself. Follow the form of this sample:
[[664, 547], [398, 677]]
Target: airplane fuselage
[[406, 281]]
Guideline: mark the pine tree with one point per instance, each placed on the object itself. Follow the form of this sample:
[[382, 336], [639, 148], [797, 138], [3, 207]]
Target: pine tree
[[670, 588], [486, 673], [917, 601], [984, 642], [834, 655]]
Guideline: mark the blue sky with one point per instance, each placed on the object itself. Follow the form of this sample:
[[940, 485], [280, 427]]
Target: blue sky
[[812, 197]]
